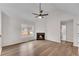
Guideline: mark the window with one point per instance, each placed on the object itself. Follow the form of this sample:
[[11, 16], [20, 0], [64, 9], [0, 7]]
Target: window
[[26, 30]]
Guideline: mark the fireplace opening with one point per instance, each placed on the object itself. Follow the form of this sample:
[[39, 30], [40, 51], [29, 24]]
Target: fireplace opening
[[40, 36]]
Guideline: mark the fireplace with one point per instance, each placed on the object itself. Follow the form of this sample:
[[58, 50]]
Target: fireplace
[[40, 36]]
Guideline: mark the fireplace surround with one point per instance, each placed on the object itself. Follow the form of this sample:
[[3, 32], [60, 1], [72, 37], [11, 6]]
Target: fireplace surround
[[40, 36]]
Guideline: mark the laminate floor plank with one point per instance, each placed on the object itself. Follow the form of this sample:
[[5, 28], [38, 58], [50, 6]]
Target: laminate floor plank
[[41, 48]]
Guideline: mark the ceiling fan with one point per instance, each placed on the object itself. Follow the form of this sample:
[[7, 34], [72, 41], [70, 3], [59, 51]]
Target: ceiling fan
[[40, 14]]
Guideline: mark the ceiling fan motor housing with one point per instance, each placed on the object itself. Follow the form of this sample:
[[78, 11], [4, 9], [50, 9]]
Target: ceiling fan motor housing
[[41, 11]]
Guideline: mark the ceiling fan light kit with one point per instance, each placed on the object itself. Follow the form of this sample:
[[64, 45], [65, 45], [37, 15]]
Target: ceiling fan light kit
[[40, 14], [39, 17]]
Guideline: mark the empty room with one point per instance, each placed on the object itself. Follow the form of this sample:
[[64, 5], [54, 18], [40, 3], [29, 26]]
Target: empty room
[[39, 29]]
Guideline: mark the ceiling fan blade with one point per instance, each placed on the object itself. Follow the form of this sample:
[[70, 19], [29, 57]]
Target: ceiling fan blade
[[35, 14], [44, 14]]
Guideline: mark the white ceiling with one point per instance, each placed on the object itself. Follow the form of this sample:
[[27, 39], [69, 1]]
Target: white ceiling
[[25, 10]]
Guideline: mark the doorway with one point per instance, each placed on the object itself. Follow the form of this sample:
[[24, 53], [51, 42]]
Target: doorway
[[63, 32], [66, 35]]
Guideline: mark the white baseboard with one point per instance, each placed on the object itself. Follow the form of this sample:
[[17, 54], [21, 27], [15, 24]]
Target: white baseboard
[[55, 41]]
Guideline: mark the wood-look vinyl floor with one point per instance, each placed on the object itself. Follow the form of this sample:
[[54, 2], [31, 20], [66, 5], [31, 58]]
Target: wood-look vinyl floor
[[41, 48]]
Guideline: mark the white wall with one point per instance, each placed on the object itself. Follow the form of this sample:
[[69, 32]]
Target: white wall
[[69, 31], [77, 31], [0, 34], [11, 30], [40, 27], [53, 26], [53, 29], [67, 17]]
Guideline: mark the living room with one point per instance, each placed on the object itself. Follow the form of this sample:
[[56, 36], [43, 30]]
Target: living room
[[21, 26]]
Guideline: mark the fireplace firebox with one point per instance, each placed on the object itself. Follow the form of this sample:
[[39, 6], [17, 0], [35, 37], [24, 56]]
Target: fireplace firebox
[[40, 36]]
